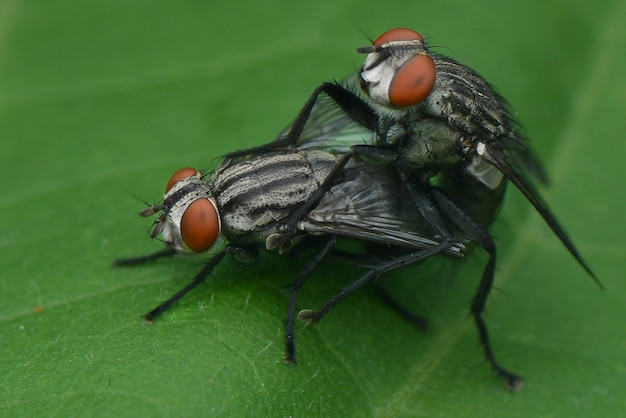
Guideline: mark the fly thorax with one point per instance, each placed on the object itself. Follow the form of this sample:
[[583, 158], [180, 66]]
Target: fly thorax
[[466, 101], [432, 142], [440, 105]]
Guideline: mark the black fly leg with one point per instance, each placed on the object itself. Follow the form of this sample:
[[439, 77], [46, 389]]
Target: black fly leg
[[419, 322], [369, 262], [481, 236], [300, 279], [352, 105], [134, 261], [405, 260], [432, 203], [197, 280], [366, 261], [423, 201]]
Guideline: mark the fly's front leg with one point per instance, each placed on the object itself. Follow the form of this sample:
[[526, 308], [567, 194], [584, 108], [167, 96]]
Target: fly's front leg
[[299, 281], [352, 105], [199, 279], [135, 261]]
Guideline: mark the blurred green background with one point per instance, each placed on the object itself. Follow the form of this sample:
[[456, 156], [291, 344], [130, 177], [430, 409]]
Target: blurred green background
[[100, 101]]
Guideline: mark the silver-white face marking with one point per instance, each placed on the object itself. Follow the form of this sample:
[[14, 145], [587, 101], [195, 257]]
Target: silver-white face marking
[[378, 78]]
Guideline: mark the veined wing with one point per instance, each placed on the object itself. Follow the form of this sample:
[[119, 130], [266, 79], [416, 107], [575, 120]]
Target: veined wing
[[330, 128], [368, 203]]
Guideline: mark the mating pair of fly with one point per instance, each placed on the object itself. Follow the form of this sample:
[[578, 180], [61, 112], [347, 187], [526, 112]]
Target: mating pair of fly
[[413, 153]]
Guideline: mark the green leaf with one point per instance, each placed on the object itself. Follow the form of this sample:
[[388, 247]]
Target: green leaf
[[101, 101]]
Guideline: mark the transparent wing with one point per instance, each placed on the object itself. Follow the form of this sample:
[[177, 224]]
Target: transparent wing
[[330, 128]]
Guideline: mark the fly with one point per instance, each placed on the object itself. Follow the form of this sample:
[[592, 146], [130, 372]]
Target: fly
[[252, 201], [450, 138]]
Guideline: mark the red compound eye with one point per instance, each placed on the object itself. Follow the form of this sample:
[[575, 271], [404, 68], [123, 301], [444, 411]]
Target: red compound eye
[[413, 81], [181, 174], [399, 34], [200, 225]]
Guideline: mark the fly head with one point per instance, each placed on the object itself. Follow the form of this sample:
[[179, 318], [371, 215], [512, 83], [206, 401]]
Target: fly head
[[189, 220]]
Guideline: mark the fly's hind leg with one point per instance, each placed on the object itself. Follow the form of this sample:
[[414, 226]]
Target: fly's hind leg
[[481, 236]]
